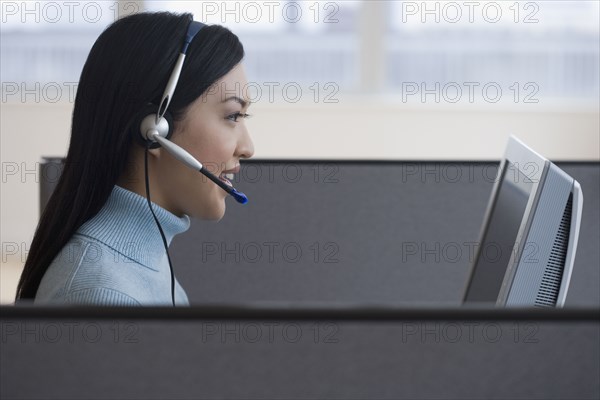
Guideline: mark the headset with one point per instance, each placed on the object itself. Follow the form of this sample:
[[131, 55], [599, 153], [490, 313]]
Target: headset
[[156, 128]]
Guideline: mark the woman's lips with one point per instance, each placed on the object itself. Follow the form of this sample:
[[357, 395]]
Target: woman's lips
[[226, 179], [228, 175], [233, 170]]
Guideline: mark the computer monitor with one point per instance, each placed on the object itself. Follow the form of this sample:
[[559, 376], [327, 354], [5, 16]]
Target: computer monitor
[[527, 244]]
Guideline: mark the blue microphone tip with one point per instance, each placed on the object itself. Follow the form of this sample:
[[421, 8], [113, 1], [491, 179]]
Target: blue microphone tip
[[239, 196]]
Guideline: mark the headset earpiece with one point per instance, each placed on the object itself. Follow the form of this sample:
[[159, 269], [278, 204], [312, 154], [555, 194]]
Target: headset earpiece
[[146, 122]]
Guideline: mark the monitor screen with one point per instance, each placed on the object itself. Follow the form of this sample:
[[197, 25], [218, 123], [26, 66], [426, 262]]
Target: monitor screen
[[499, 239]]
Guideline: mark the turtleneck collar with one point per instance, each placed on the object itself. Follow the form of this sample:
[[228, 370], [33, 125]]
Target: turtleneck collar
[[125, 224]]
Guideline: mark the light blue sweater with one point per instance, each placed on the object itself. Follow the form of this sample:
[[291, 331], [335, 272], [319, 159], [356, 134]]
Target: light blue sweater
[[116, 258]]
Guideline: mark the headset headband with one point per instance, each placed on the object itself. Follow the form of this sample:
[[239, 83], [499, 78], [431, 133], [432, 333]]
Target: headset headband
[[193, 29]]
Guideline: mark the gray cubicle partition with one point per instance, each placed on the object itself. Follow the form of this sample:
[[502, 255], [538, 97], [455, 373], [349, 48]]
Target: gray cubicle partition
[[359, 232], [332, 238], [204, 353]]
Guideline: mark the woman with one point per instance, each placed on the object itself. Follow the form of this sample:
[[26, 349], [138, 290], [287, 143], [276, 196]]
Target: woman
[[101, 240]]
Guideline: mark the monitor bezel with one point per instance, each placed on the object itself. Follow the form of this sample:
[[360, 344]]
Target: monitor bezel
[[535, 168]]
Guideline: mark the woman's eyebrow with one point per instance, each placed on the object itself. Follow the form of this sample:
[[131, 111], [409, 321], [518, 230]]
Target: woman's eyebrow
[[243, 102]]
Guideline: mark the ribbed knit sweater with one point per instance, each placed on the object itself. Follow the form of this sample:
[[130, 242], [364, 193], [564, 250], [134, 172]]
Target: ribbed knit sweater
[[116, 258]]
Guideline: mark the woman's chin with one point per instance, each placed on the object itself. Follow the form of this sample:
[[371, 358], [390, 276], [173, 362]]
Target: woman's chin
[[215, 213]]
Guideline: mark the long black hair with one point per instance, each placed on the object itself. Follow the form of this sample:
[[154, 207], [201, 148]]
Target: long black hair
[[127, 68]]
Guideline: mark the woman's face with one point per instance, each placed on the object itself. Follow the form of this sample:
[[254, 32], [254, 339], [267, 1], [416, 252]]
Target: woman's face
[[214, 131]]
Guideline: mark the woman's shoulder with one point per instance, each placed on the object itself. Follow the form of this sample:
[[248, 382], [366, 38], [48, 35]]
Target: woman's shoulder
[[88, 271]]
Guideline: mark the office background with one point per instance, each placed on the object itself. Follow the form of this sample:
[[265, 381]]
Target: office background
[[376, 80]]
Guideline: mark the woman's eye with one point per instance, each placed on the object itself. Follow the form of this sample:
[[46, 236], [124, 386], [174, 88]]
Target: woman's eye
[[234, 117]]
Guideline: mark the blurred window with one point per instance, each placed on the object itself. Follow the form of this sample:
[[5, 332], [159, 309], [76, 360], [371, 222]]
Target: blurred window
[[527, 50]]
